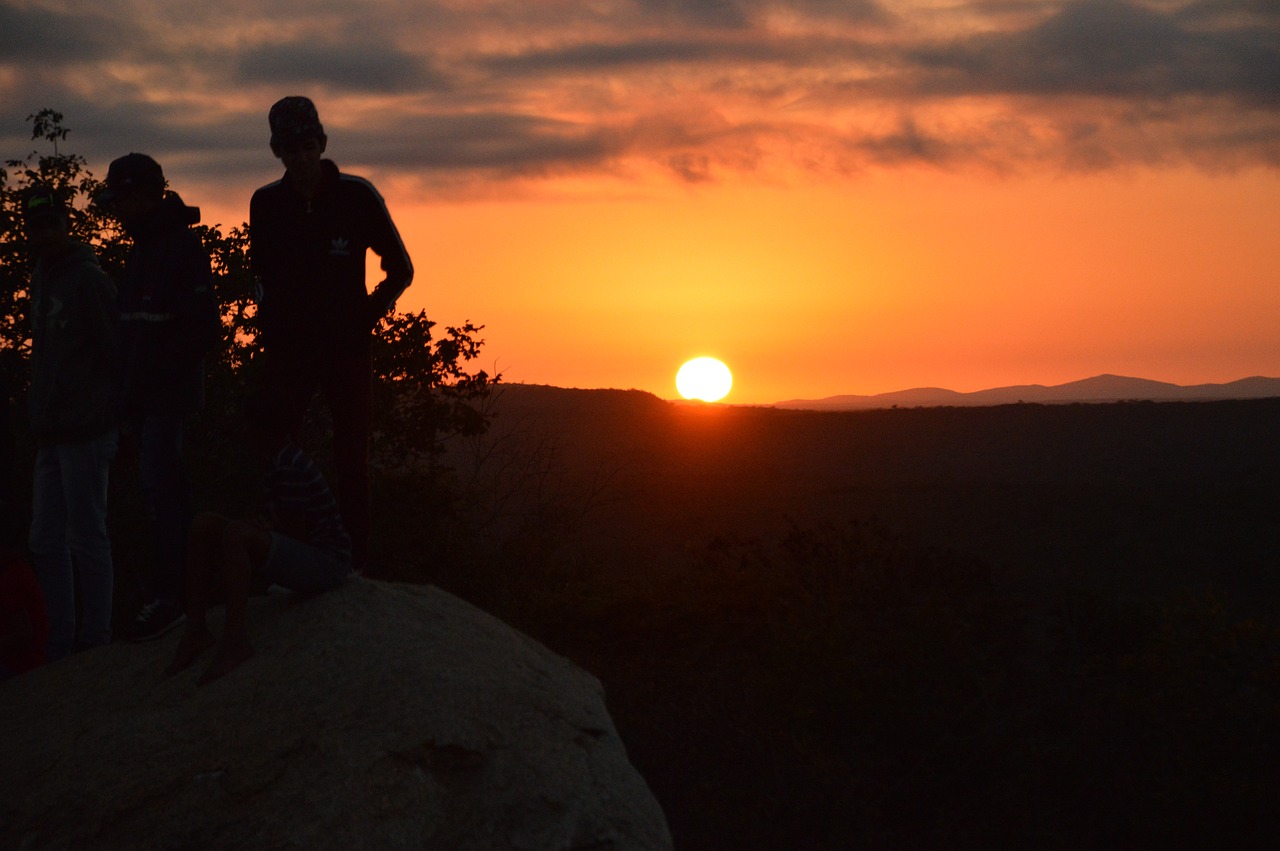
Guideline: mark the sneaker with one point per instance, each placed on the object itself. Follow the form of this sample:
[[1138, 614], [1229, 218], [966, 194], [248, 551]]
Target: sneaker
[[154, 620]]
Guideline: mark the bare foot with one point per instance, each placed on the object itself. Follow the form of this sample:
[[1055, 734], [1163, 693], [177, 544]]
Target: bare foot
[[229, 656], [195, 640]]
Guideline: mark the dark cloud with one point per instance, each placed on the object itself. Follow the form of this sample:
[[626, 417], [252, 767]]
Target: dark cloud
[[849, 11], [50, 38], [740, 14], [495, 143], [620, 55], [697, 88], [202, 145], [909, 144], [1230, 11], [691, 147], [353, 66], [1109, 49], [713, 13]]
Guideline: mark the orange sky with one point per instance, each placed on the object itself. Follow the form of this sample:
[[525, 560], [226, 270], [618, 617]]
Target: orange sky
[[885, 282], [853, 197], [889, 282]]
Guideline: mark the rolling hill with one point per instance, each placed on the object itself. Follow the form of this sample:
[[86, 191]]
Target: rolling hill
[[1100, 388]]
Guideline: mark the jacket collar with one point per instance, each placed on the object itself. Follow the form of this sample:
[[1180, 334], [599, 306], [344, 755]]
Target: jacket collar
[[328, 176]]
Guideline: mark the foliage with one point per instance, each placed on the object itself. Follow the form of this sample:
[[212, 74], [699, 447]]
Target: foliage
[[68, 176], [424, 394], [229, 259], [427, 391]]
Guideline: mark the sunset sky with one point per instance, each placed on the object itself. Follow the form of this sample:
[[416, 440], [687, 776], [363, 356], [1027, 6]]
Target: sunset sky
[[832, 197]]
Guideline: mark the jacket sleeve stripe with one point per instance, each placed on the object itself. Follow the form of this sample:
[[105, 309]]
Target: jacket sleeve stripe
[[402, 254]]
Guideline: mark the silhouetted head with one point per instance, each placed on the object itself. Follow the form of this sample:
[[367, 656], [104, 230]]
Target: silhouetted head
[[135, 186], [298, 138], [294, 119], [44, 218]]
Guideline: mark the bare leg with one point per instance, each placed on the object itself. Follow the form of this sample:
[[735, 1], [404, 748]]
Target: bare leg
[[243, 547], [204, 549]]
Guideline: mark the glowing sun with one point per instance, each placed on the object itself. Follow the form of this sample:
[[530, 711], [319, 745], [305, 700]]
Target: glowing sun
[[706, 379]]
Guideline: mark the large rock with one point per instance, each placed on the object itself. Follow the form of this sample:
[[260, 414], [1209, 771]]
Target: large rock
[[375, 716]]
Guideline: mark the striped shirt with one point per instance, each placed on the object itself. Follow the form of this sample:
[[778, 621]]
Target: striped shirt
[[294, 483]]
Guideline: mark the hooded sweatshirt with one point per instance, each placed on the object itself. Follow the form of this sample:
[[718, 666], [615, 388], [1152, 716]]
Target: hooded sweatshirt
[[73, 337], [168, 314]]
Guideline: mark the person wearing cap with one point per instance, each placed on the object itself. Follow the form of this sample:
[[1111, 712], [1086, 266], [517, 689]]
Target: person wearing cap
[[168, 322], [73, 317], [309, 233]]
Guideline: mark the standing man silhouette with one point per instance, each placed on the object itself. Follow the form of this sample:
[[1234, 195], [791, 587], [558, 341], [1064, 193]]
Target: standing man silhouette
[[309, 233], [168, 324], [73, 347]]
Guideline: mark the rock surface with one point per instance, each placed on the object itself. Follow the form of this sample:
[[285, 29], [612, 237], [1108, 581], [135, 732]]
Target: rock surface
[[375, 716]]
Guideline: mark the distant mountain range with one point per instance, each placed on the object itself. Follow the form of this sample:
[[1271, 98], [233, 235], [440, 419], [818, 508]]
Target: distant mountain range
[[1100, 388]]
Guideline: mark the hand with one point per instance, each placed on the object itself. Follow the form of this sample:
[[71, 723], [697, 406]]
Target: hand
[[375, 311]]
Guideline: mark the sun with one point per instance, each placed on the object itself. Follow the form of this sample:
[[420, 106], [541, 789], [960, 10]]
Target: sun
[[706, 379]]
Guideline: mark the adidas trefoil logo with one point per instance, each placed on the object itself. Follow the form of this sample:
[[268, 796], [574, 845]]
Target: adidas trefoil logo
[[340, 247]]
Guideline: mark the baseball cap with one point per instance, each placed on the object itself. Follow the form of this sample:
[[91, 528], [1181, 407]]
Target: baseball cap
[[40, 203], [132, 171], [293, 119]]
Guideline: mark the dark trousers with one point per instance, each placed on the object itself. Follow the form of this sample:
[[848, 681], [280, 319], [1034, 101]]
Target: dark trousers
[[345, 379], [167, 494]]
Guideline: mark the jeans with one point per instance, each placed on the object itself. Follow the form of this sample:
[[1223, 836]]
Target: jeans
[[167, 496], [69, 537]]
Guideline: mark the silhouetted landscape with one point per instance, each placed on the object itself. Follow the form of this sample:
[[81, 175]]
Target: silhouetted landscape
[[1100, 388], [1022, 625]]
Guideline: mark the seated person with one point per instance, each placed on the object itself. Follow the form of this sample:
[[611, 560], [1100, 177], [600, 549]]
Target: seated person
[[302, 546]]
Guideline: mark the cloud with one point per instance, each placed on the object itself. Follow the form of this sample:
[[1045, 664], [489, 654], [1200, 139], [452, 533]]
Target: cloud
[[1111, 49], [909, 143], [502, 144], [510, 89], [739, 14], [51, 38], [716, 13], [353, 66]]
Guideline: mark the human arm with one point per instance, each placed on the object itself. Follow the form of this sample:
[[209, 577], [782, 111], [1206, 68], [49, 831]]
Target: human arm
[[188, 326], [384, 296], [259, 240], [262, 248], [395, 262], [197, 328], [100, 310], [169, 321]]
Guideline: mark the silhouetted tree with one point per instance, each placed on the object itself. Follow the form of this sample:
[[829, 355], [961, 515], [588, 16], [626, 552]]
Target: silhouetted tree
[[69, 176]]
